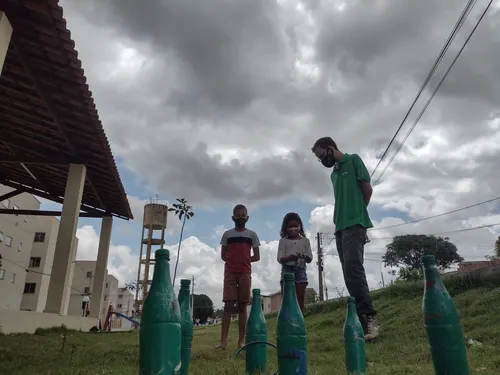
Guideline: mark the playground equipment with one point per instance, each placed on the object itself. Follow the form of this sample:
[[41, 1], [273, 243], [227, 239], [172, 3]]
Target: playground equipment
[[256, 355], [186, 325], [354, 341], [160, 327], [291, 332], [442, 323], [109, 314]]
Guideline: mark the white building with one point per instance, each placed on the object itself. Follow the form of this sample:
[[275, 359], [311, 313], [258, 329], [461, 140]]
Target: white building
[[27, 247], [40, 263], [16, 239]]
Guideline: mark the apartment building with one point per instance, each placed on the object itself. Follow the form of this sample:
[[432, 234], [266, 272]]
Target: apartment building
[[125, 302], [82, 286], [40, 263], [16, 239]]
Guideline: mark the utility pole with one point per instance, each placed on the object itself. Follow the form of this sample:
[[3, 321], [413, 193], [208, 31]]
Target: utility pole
[[320, 266], [383, 282]]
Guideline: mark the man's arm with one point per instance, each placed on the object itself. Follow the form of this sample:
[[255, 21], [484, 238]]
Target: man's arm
[[363, 177], [366, 190]]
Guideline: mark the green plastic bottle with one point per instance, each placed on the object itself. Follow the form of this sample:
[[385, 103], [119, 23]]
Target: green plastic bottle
[[256, 355], [160, 329], [444, 332], [291, 332], [354, 341], [186, 325]]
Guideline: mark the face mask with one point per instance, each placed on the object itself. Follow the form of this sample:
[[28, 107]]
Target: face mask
[[240, 220], [293, 231], [329, 160]]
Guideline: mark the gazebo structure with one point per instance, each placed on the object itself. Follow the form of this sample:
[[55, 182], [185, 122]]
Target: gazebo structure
[[52, 143]]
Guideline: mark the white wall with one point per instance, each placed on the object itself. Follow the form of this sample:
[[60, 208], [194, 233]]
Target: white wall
[[16, 257], [28, 321]]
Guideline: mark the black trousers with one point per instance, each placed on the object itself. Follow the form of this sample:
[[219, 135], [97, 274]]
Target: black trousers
[[351, 248]]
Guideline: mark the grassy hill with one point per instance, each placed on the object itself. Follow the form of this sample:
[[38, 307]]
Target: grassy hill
[[402, 347]]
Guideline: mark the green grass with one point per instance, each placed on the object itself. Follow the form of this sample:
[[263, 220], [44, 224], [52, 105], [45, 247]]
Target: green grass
[[402, 347]]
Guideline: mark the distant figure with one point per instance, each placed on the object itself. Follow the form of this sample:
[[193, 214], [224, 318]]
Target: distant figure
[[236, 247], [352, 192], [294, 251], [197, 322], [85, 305]]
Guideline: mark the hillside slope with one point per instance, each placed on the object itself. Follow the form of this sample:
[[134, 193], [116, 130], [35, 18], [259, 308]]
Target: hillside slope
[[402, 347]]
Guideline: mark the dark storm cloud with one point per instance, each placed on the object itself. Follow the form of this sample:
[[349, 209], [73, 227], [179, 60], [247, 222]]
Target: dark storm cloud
[[221, 75]]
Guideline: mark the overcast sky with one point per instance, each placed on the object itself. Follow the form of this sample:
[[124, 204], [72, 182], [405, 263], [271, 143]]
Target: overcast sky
[[220, 101]]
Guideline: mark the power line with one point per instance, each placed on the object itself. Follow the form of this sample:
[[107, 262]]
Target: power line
[[438, 215], [435, 91], [451, 37]]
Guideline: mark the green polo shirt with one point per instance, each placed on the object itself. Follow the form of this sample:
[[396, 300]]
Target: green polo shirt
[[350, 208]]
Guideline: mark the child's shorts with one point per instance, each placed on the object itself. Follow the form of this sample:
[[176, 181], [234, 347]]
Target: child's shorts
[[237, 287], [300, 274]]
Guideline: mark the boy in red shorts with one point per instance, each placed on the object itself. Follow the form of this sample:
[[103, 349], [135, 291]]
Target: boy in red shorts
[[236, 248]]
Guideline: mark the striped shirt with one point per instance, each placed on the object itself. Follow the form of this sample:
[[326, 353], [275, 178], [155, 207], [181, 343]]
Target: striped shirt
[[239, 247]]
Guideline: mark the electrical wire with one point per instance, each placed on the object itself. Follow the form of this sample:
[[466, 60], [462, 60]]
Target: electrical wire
[[458, 25], [434, 92], [434, 216]]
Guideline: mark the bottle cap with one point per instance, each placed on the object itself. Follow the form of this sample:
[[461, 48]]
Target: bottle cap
[[255, 291], [162, 253], [288, 276], [185, 282], [428, 260], [351, 299]]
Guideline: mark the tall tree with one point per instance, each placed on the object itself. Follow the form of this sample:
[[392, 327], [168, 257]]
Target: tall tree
[[497, 247], [183, 211], [406, 252], [203, 307]]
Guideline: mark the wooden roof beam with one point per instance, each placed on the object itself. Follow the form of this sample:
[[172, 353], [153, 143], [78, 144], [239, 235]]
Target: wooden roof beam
[[11, 194], [50, 108]]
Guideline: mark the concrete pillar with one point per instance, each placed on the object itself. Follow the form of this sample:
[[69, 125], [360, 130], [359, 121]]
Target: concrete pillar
[[100, 267], [64, 254], [5, 34]]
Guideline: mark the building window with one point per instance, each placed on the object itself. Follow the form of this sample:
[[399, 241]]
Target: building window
[[35, 262], [2, 274], [120, 296], [8, 241], [39, 237], [119, 305], [6, 203], [20, 246], [13, 278], [29, 288], [89, 274], [86, 290]]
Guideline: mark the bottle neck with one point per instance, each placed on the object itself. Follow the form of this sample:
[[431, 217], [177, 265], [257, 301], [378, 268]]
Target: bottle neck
[[351, 309], [431, 275], [289, 296], [184, 298], [161, 274]]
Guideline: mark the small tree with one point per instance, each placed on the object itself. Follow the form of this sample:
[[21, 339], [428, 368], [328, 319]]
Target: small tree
[[497, 248], [406, 252], [183, 211]]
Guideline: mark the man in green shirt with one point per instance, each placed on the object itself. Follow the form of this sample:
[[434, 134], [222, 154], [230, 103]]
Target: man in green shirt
[[352, 192]]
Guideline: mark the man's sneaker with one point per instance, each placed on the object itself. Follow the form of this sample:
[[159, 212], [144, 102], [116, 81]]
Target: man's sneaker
[[372, 329]]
